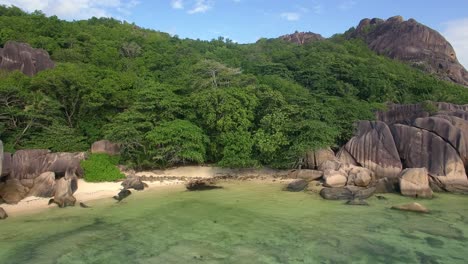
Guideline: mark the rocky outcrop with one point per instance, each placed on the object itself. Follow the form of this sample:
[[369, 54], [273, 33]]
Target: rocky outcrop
[[105, 146], [6, 164], [44, 185], [302, 38], [412, 42], [414, 182], [373, 148], [22, 57], [308, 175]]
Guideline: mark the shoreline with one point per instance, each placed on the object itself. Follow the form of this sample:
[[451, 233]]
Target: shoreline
[[156, 179]]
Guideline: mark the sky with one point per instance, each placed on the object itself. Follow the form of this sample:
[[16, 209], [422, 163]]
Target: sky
[[245, 21]]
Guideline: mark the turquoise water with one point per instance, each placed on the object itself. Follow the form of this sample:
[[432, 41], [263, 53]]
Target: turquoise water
[[242, 223]]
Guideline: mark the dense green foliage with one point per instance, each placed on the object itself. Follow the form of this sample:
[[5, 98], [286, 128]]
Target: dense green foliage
[[101, 168], [171, 101]]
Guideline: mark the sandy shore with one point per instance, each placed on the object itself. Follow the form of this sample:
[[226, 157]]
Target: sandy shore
[[86, 192]]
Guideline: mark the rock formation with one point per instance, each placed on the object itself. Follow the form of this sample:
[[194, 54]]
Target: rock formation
[[12, 191], [412, 207], [44, 185], [412, 42], [302, 37], [64, 189], [105, 146], [297, 185], [22, 57]]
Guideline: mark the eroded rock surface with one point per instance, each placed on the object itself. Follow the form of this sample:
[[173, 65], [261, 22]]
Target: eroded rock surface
[[24, 58], [414, 182]]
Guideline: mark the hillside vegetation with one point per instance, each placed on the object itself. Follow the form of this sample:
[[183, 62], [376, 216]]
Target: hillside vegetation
[[172, 101]]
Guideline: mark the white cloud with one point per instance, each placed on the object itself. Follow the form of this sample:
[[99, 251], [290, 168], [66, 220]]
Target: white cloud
[[76, 9], [348, 4], [291, 16], [456, 32], [177, 4], [201, 6]]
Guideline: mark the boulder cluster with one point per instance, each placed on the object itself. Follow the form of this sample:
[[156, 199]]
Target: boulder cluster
[[412, 149]]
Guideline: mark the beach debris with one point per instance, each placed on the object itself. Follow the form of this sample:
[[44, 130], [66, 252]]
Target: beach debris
[[122, 195], [3, 214], [412, 207], [201, 184]]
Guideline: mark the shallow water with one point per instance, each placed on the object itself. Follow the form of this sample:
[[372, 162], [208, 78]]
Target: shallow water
[[242, 223]]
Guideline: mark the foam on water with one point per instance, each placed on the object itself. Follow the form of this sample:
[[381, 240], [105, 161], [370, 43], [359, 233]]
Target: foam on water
[[242, 223]]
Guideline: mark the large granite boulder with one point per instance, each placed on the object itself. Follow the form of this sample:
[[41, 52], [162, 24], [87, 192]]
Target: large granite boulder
[[134, 182], [373, 148], [359, 176], [28, 164], [105, 146], [6, 164], [414, 182], [44, 185], [335, 178], [22, 57], [60, 162], [64, 189], [314, 159], [12, 191], [419, 148], [447, 131], [412, 42]]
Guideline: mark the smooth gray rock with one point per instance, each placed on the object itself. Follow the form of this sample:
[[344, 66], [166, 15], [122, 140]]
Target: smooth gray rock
[[297, 185]]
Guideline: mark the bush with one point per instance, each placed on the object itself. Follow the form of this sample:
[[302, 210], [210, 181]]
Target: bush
[[101, 168]]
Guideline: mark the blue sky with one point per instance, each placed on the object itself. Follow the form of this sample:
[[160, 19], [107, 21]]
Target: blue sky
[[245, 21]]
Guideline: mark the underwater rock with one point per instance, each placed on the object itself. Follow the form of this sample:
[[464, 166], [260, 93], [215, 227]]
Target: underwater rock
[[297, 186], [412, 207], [357, 202], [200, 185], [83, 205]]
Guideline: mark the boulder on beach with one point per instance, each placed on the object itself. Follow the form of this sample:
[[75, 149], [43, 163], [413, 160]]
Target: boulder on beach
[[44, 185], [64, 189], [3, 214], [412, 207], [335, 178], [414, 182], [201, 184], [315, 158], [29, 163], [297, 185], [12, 191], [60, 162], [359, 176], [134, 182]]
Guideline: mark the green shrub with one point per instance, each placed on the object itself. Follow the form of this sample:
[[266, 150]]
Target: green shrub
[[101, 168]]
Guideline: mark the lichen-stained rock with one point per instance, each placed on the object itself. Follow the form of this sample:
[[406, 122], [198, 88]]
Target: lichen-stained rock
[[414, 182], [105, 146], [44, 185], [28, 164], [373, 148], [420, 148], [447, 131], [22, 57]]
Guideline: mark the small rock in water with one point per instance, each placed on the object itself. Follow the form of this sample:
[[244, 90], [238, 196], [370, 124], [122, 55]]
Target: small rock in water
[[297, 185], [412, 207], [83, 205], [357, 202], [200, 185], [122, 195], [380, 197], [3, 214]]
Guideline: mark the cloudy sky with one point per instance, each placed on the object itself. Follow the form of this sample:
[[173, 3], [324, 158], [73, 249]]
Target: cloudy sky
[[246, 21]]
